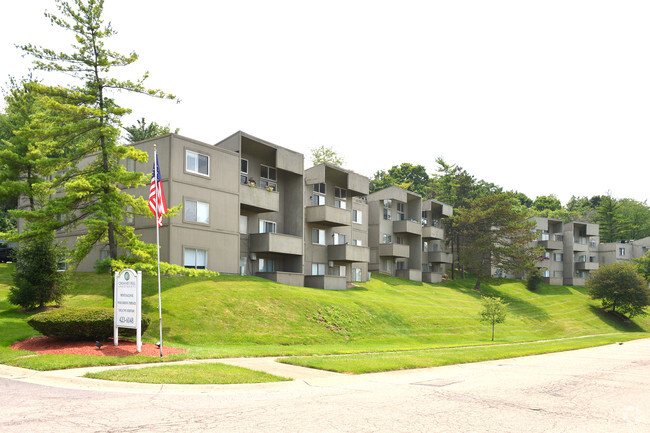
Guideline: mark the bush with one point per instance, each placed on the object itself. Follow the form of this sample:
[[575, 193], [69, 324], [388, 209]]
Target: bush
[[534, 279], [80, 323], [620, 289], [37, 280]]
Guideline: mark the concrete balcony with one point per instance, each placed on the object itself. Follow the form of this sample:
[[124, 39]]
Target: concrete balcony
[[551, 244], [328, 215], [289, 278], [393, 250], [348, 253], [586, 266], [327, 282], [580, 247], [432, 277], [429, 232], [258, 199], [438, 257], [405, 226], [275, 243], [409, 274]]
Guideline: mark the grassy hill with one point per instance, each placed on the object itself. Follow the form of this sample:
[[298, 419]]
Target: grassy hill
[[249, 316]]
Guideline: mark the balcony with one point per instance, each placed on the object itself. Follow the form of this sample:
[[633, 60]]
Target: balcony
[[258, 199], [393, 250], [551, 244], [348, 253], [328, 215], [438, 257], [327, 282], [289, 278], [409, 274], [275, 243], [429, 232], [406, 226], [432, 277], [586, 266]]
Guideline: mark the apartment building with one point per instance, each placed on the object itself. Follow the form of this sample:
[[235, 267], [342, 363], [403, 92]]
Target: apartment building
[[615, 252], [204, 178], [571, 250], [395, 233], [336, 227], [435, 258], [270, 211]]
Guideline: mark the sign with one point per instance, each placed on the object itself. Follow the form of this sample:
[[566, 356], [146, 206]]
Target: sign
[[128, 304]]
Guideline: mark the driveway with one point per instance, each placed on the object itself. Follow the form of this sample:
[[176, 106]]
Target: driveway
[[603, 389]]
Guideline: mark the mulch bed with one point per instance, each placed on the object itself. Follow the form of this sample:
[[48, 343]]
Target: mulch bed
[[49, 345]]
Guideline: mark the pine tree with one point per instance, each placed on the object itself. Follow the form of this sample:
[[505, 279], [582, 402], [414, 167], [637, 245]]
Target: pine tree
[[82, 121]]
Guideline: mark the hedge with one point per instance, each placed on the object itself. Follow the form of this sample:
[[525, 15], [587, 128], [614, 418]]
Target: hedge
[[80, 323]]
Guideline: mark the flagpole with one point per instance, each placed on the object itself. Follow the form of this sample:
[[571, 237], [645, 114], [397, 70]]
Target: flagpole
[[155, 164]]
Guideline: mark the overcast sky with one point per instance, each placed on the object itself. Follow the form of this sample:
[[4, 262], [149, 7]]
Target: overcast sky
[[543, 97]]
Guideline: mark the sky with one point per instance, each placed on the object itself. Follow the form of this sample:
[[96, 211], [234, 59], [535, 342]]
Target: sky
[[541, 97]]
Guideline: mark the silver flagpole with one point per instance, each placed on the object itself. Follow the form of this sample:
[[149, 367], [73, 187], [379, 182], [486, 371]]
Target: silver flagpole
[[155, 170]]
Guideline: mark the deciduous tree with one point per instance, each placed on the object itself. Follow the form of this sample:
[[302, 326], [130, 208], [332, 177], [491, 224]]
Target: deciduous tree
[[620, 289], [323, 154], [493, 312], [141, 131]]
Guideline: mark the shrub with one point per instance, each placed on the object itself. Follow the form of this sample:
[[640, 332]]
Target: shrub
[[620, 289], [36, 279], [534, 279], [80, 323]]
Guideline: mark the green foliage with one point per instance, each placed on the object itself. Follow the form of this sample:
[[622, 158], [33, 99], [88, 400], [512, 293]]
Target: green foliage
[[151, 268], [620, 289], [547, 202], [142, 131], [534, 279], [609, 219], [408, 176], [36, 279], [323, 154], [495, 231], [643, 266], [635, 218], [82, 123], [493, 311], [524, 200], [79, 323]]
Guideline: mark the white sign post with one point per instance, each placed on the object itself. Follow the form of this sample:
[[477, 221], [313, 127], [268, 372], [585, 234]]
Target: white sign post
[[128, 305]]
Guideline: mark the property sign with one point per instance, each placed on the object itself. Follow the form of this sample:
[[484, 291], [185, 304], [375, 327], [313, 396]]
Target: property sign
[[128, 304]]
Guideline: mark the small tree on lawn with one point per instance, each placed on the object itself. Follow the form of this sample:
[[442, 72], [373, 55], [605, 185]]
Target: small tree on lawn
[[620, 289], [494, 311], [36, 280]]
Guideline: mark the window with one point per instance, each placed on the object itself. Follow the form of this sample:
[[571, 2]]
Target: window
[[357, 242], [387, 204], [621, 251], [267, 226], [318, 268], [197, 211], [318, 236], [387, 214], [400, 212], [592, 259], [244, 170], [61, 266], [269, 173], [399, 240], [545, 236], [425, 246], [546, 255], [582, 259], [500, 273], [266, 265], [386, 265], [592, 244], [546, 273], [356, 274], [243, 224], [425, 267], [357, 216], [339, 239], [197, 163], [195, 258], [130, 164], [129, 218], [242, 265], [558, 257], [340, 197], [342, 271], [318, 198], [400, 266], [387, 239]]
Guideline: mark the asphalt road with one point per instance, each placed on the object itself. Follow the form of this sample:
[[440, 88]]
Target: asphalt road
[[603, 389]]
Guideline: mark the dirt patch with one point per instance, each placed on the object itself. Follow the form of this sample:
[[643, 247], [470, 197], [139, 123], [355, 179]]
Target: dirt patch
[[48, 345]]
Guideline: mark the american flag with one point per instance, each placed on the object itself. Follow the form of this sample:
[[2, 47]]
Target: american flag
[[160, 200]]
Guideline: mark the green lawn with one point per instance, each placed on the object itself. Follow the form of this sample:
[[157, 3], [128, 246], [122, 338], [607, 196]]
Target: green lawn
[[246, 316], [206, 374]]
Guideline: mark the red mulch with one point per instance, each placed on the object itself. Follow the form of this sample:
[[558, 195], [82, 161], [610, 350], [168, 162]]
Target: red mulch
[[49, 345]]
